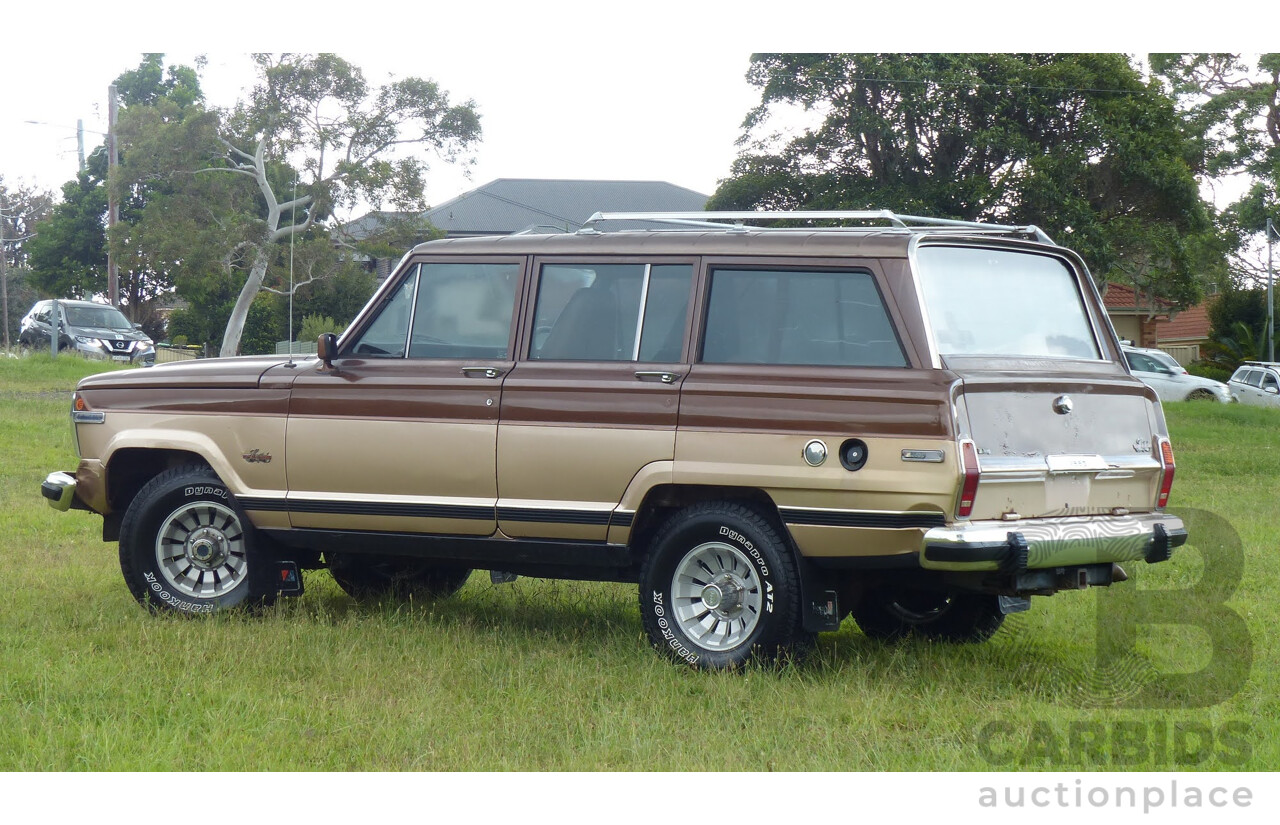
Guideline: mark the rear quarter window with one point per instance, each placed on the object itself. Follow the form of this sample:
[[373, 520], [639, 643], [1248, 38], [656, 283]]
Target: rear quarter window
[[799, 317]]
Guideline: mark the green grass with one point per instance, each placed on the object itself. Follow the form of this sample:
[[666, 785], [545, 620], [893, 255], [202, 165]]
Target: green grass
[[545, 675]]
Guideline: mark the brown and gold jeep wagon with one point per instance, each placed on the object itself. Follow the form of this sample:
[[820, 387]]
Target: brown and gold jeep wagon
[[919, 423]]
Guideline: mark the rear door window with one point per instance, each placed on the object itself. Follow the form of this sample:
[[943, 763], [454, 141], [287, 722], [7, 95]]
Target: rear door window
[[611, 312], [801, 317]]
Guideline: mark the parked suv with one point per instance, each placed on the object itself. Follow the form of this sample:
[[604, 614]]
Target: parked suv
[[768, 429], [1171, 381], [93, 329], [1257, 383]]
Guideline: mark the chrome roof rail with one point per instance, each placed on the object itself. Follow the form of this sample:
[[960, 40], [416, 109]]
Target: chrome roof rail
[[736, 221]]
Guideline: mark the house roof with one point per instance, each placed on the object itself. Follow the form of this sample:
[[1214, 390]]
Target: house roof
[[1192, 324], [1121, 299], [509, 205]]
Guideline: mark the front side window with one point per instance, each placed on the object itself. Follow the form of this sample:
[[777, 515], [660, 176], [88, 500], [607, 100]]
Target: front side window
[[1142, 363], [445, 310], [799, 317], [1004, 303], [611, 312]]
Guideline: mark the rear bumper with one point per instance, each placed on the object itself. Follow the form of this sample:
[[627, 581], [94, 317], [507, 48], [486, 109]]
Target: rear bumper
[[1033, 544]]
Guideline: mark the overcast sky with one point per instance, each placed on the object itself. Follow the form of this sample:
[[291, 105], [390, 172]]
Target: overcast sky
[[626, 91]]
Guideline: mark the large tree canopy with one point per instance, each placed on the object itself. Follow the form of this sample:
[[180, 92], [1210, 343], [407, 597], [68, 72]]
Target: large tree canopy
[[1080, 145], [1232, 107], [313, 135]]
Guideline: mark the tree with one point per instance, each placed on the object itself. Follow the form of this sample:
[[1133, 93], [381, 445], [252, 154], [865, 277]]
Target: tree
[[347, 139], [69, 256], [22, 207], [1232, 107], [1080, 145], [69, 252]]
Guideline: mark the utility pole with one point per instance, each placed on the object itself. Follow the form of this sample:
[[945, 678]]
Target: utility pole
[[80, 143], [4, 276], [113, 207]]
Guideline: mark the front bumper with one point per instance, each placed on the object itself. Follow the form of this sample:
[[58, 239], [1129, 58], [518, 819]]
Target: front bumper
[[59, 489], [1033, 544]]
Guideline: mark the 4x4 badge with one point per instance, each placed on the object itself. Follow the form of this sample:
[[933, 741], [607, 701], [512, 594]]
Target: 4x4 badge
[[1062, 404], [256, 456]]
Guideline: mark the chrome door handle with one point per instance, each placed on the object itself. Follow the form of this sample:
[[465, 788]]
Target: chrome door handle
[[661, 375], [487, 372]]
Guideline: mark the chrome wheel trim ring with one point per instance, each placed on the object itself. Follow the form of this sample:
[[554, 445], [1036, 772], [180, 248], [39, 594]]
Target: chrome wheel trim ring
[[200, 550], [716, 596]]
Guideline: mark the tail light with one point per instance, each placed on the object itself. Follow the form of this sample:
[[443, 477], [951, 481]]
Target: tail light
[[969, 468], [1167, 468]]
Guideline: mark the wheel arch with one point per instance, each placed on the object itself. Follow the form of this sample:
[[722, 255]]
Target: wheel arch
[[129, 469], [817, 588]]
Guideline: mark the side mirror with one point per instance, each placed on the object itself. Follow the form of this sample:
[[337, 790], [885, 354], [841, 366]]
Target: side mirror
[[137, 326], [1271, 390], [327, 348]]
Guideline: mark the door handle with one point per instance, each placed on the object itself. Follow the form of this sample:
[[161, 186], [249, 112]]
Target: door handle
[[485, 372], [662, 375]]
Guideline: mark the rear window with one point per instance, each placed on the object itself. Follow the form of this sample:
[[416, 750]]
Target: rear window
[[1000, 302]]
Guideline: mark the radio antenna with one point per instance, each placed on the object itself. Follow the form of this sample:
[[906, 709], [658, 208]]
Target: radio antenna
[[293, 220]]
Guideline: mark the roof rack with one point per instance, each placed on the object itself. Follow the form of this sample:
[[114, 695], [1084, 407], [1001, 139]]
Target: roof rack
[[1262, 363], [736, 221]]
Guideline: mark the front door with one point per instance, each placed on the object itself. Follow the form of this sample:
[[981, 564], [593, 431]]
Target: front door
[[400, 434]]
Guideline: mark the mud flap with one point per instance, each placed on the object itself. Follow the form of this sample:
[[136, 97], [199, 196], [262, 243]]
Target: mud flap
[[820, 604]]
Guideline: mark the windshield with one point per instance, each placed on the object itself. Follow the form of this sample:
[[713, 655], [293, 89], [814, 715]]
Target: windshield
[[99, 317], [1001, 302]]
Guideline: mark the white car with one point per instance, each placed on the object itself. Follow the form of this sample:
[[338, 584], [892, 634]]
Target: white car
[[1257, 383], [1171, 381]]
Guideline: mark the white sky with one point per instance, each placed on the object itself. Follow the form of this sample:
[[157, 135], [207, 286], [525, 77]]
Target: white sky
[[628, 91]]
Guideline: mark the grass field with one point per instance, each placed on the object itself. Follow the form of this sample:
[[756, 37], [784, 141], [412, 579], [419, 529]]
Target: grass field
[[558, 675]]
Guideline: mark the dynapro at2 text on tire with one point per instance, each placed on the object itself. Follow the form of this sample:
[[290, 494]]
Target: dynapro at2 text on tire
[[718, 586], [186, 546]]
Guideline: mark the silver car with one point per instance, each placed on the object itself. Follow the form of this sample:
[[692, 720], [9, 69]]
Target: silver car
[[1257, 383], [93, 329], [1171, 381]]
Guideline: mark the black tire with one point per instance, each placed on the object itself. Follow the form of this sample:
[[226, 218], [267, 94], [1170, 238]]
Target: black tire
[[956, 617], [369, 577], [186, 546], [1202, 395], [739, 560]]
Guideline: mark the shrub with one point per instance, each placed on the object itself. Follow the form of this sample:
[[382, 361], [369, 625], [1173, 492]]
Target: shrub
[[1206, 370], [313, 326]]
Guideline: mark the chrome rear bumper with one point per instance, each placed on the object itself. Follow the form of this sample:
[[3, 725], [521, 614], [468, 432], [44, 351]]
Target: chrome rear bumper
[[1033, 544]]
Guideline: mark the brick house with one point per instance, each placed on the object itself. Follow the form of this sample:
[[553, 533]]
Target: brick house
[[1153, 323]]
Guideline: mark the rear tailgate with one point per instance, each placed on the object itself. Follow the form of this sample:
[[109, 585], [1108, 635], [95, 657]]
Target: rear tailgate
[[1060, 444]]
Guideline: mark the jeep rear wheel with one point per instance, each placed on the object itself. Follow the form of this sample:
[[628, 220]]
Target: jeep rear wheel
[[369, 577], [718, 586], [185, 546], [956, 617]]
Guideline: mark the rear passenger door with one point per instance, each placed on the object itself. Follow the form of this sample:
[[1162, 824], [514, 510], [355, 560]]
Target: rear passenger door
[[594, 400]]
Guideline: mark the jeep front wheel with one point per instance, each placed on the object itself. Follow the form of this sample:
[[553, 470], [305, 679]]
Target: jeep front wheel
[[718, 586], [185, 546]]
